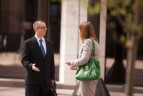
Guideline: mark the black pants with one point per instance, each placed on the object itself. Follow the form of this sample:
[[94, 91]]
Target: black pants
[[37, 90]]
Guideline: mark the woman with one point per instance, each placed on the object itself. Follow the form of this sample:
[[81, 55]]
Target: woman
[[86, 34]]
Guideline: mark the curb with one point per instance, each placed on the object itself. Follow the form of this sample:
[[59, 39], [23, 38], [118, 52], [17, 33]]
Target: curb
[[6, 82]]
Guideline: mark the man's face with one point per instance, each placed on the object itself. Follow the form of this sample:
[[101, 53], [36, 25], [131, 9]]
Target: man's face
[[41, 29]]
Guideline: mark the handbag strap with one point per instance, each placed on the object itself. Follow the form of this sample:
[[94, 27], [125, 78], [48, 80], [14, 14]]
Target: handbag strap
[[93, 48]]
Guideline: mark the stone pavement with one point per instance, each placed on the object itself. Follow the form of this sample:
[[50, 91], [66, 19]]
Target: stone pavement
[[15, 91], [11, 68], [15, 87], [10, 63]]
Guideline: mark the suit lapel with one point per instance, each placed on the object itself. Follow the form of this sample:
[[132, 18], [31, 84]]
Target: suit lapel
[[37, 47]]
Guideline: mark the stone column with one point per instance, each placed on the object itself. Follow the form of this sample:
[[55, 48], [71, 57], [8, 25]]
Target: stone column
[[73, 12], [102, 40]]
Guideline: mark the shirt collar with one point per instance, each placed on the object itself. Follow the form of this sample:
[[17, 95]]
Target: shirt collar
[[39, 38]]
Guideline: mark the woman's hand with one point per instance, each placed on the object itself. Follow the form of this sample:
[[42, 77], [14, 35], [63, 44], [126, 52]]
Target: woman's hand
[[73, 68], [68, 63]]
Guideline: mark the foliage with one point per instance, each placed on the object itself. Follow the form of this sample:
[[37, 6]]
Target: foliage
[[127, 12]]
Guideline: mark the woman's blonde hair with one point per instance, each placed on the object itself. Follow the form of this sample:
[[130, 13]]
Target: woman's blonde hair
[[87, 31]]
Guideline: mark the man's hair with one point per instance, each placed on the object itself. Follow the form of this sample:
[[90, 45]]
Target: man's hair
[[37, 23]]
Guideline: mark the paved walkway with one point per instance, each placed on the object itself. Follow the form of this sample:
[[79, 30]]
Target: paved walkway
[[14, 91], [10, 63], [10, 67], [15, 87]]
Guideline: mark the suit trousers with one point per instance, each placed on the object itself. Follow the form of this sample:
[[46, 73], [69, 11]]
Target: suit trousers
[[37, 90]]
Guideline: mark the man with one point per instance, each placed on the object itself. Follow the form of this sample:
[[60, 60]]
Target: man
[[38, 59]]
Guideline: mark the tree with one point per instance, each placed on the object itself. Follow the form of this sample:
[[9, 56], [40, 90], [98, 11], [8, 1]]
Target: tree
[[128, 13]]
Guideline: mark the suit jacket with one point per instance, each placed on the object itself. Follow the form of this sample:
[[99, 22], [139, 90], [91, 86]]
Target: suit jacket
[[31, 53]]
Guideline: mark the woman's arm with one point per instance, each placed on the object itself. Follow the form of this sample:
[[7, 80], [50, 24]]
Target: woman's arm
[[85, 55]]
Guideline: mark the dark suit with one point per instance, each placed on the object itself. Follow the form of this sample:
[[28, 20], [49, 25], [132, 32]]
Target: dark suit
[[31, 54]]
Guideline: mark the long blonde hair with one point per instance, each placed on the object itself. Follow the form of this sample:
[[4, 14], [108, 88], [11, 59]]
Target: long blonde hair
[[87, 31]]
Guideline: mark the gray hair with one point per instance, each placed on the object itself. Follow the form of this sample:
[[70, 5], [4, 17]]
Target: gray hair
[[37, 24]]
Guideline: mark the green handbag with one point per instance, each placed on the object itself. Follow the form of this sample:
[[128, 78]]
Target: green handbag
[[91, 70]]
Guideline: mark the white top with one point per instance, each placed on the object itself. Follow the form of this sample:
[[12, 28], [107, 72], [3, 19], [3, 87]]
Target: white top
[[86, 52], [43, 42]]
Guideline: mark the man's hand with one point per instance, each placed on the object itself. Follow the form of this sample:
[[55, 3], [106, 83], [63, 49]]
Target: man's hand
[[34, 68], [52, 81]]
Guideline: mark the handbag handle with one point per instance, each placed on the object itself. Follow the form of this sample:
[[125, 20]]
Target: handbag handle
[[93, 48]]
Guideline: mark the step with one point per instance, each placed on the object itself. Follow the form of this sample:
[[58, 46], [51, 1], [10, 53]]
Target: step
[[8, 82]]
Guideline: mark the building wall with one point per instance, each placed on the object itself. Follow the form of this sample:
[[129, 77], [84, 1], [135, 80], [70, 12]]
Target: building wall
[[11, 26]]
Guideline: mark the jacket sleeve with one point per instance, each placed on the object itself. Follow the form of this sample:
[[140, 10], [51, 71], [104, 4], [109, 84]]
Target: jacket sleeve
[[52, 64], [25, 57], [84, 56]]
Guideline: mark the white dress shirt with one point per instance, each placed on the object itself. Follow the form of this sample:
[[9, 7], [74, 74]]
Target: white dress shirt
[[43, 42]]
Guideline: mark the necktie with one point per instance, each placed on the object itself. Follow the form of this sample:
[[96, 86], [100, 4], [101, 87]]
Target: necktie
[[42, 48]]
